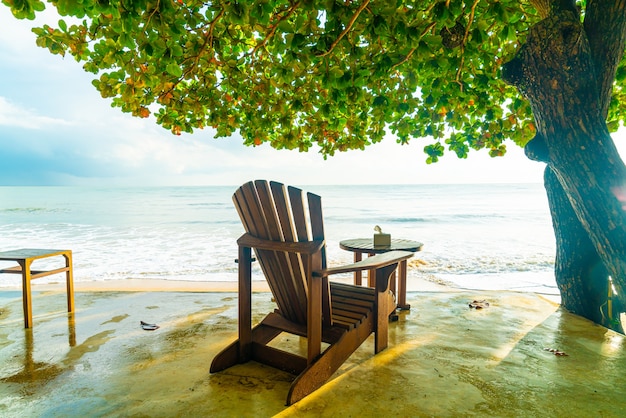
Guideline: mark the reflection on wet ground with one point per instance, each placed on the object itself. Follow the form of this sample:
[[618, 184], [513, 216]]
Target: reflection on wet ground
[[444, 359]]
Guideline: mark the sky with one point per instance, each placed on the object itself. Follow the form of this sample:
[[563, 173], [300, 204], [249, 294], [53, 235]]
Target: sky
[[55, 129]]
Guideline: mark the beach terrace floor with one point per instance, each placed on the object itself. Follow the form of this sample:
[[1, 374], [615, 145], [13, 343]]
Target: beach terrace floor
[[445, 359]]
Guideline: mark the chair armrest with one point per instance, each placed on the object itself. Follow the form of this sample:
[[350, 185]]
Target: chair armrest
[[306, 247], [370, 263]]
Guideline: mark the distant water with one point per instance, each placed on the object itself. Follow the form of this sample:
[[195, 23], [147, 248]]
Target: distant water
[[487, 236]]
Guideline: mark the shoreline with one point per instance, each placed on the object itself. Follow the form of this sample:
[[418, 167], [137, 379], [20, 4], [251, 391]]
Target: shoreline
[[164, 285], [414, 284]]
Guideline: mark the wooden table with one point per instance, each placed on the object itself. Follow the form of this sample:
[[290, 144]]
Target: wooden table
[[25, 257], [359, 246]]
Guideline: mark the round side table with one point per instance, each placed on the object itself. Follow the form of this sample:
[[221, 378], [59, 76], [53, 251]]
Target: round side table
[[359, 246]]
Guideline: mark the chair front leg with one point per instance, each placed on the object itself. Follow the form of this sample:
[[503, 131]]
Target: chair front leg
[[382, 308], [314, 314], [245, 303]]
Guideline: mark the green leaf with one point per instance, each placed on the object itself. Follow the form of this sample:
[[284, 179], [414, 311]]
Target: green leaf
[[335, 72], [174, 69], [380, 101], [511, 35]]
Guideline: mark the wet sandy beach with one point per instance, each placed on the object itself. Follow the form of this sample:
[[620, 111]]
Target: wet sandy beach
[[444, 358]]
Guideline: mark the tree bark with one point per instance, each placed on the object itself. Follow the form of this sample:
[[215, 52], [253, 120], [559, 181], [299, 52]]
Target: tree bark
[[605, 27], [582, 279], [558, 73]]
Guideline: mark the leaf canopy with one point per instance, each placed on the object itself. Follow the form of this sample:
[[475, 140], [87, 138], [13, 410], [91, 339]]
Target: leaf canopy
[[336, 73]]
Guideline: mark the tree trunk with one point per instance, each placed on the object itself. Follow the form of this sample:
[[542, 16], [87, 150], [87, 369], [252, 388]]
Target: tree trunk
[[585, 177], [580, 273]]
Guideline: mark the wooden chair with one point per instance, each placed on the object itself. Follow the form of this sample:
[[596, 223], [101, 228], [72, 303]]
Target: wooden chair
[[287, 236]]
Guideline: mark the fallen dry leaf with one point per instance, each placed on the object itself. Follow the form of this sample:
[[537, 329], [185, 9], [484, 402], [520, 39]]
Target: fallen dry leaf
[[148, 327], [555, 352], [479, 304]]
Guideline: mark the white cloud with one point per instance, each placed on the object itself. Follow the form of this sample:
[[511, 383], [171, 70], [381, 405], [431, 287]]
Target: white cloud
[[14, 115]]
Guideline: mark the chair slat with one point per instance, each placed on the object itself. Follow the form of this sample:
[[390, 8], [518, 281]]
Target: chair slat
[[292, 277], [359, 293], [278, 262], [298, 275], [348, 298], [319, 260], [299, 217], [252, 216], [350, 307], [347, 314], [249, 210], [346, 323], [317, 222]]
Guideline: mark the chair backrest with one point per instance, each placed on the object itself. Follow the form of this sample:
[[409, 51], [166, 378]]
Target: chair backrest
[[270, 211]]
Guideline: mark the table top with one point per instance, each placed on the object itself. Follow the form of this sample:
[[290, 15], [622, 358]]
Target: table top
[[366, 245], [30, 253]]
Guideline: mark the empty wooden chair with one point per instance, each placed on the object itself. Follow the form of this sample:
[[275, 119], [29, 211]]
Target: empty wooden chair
[[287, 235]]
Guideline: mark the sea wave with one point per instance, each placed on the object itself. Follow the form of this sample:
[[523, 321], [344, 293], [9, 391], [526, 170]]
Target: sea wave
[[32, 210], [191, 233]]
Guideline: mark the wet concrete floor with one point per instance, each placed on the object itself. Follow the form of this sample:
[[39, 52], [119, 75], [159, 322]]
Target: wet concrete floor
[[445, 360]]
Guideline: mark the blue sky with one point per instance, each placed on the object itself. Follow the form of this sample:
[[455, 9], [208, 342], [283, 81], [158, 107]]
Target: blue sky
[[55, 129]]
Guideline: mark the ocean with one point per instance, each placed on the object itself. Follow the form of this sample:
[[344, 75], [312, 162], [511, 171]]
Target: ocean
[[480, 236]]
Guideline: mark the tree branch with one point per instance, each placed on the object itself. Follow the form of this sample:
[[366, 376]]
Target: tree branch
[[546, 7], [272, 31], [467, 30], [563, 5], [208, 40], [554, 70], [154, 11], [410, 54], [347, 29], [542, 7], [605, 26]]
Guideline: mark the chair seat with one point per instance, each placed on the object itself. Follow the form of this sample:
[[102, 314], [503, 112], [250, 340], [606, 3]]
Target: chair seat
[[351, 304]]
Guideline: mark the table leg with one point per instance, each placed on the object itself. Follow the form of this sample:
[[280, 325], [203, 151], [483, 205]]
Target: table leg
[[358, 275], [69, 282], [371, 274], [26, 296], [401, 295]]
